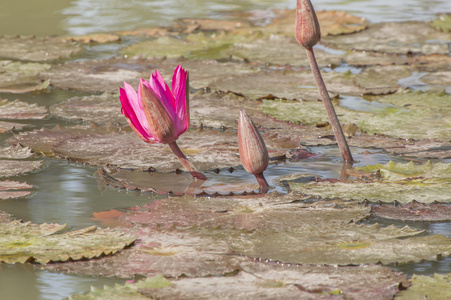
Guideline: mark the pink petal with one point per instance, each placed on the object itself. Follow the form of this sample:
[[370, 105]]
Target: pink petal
[[132, 109], [162, 91], [179, 90]]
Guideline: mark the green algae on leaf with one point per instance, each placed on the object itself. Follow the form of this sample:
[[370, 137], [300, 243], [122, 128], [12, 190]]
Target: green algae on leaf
[[17, 110], [99, 109], [21, 77], [401, 182], [14, 189], [442, 23], [335, 244], [127, 291], [27, 242], [427, 287], [37, 48]]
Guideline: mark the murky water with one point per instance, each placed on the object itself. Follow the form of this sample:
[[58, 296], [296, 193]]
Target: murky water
[[71, 193]]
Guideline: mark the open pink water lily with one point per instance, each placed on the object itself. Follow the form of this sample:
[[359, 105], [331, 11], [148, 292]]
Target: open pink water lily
[[155, 113]]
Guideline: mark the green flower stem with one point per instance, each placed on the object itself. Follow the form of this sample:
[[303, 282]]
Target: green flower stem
[[334, 122], [185, 162], [264, 186]]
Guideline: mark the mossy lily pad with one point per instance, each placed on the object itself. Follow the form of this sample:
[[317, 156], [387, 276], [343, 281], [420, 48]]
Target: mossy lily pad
[[335, 244], [442, 23], [398, 38], [261, 281], [13, 189], [27, 242], [37, 49], [172, 254], [403, 115], [99, 109], [21, 110], [393, 181], [427, 287], [21, 77]]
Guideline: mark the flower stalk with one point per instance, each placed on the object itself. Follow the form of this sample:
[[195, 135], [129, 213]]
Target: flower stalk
[[308, 35]]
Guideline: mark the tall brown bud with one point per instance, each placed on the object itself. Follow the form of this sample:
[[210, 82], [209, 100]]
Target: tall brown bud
[[253, 153], [307, 29]]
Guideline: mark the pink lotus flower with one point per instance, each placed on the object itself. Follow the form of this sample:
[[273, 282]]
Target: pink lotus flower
[[157, 114]]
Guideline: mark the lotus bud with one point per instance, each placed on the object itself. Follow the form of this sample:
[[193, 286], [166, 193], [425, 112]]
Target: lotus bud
[[253, 153], [307, 29]]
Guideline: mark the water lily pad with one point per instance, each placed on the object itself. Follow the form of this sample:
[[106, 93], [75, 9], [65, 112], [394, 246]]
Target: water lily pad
[[99, 109], [199, 45], [100, 38], [21, 77], [10, 168], [172, 254], [414, 211], [191, 25], [109, 74], [13, 189], [404, 115], [331, 22], [36, 48], [364, 58], [27, 242], [251, 213], [15, 152], [261, 281], [336, 244], [398, 38], [21, 110], [427, 287], [9, 126], [401, 182]]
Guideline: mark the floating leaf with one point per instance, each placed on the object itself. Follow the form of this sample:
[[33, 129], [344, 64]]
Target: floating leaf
[[335, 244], [172, 254], [261, 281], [99, 109], [100, 38], [27, 242], [10, 168], [427, 287], [13, 189], [401, 182], [9, 126], [36, 48], [414, 211], [20, 77], [397, 38], [15, 152], [442, 23], [17, 110]]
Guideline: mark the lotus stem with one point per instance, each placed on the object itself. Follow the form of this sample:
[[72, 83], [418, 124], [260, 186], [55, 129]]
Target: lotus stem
[[334, 122], [264, 186], [185, 162]]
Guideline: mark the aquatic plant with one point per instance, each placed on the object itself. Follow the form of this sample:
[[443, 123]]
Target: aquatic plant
[[253, 153], [157, 114], [308, 34]]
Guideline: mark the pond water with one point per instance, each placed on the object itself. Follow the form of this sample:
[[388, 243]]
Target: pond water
[[71, 193]]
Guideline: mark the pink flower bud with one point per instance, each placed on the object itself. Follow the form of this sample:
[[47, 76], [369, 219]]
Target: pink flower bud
[[253, 153], [307, 30]]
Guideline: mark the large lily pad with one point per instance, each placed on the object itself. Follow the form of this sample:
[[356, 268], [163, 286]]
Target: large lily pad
[[37, 49], [109, 74], [20, 77], [397, 38], [17, 110], [427, 287], [401, 182], [13, 189], [15, 152], [101, 109], [403, 115], [172, 254], [27, 242], [259, 281], [336, 244]]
